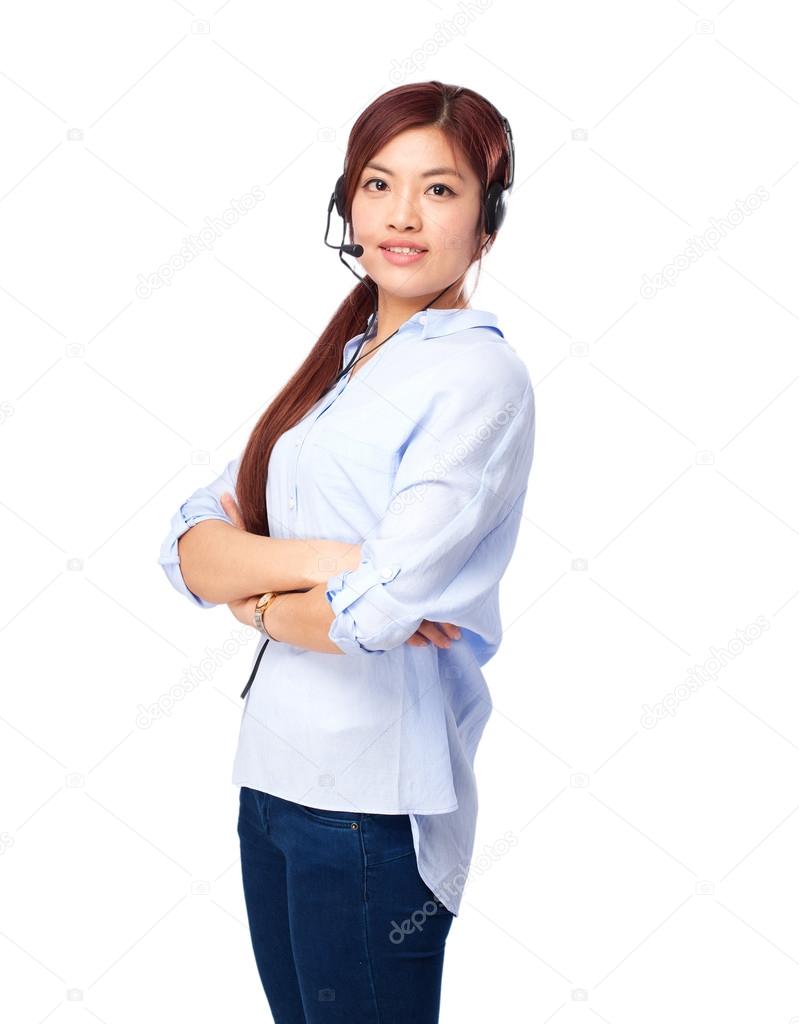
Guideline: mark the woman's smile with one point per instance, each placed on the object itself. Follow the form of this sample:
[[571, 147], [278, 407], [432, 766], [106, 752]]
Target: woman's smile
[[401, 259]]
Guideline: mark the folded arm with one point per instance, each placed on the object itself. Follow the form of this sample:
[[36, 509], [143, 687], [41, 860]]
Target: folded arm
[[450, 531], [211, 561], [447, 537]]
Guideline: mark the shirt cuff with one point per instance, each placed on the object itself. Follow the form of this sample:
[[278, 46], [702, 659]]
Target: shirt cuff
[[367, 618], [169, 558]]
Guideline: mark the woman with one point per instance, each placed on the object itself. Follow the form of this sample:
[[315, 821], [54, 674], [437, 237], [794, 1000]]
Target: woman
[[398, 465]]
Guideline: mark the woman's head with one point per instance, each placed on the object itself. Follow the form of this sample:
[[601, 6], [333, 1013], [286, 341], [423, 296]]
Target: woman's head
[[407, 132], [418, 191], [419, 162]]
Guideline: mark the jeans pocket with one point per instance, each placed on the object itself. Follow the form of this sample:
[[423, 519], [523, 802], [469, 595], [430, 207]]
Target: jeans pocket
[[389, 838], [336, 819]]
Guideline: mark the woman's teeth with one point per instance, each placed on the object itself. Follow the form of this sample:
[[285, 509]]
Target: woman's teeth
[[406, 251]]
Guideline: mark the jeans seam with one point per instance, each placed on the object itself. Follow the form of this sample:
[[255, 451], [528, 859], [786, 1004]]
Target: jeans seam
[[364, 861]]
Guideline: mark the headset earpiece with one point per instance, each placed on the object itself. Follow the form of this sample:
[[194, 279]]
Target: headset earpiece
[[339, 196], [495, 207], [495, 204]]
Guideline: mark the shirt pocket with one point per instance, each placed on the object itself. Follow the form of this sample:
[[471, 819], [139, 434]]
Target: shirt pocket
[[355, 478], [352, 451]]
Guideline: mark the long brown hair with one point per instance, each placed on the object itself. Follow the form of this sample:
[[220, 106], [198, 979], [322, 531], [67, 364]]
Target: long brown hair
[[469, 121]]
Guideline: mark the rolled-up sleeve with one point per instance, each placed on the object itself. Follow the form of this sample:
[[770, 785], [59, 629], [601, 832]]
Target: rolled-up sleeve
[[447, 537], [203, 504]]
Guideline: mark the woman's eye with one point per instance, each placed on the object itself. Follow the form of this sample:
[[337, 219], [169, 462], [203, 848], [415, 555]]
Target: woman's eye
[[438, 184]]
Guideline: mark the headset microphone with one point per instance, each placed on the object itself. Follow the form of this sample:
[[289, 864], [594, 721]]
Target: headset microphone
[[351, 250]]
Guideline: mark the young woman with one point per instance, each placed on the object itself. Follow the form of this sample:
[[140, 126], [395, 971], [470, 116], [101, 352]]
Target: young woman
[[370, 555]]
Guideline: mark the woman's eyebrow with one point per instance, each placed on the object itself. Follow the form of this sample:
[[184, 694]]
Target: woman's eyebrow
[[425, 174]]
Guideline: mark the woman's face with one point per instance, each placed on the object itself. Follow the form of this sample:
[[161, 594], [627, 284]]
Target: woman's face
[[417, 191]]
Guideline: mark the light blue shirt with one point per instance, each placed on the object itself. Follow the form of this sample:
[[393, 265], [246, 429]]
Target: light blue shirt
[[422, 457]]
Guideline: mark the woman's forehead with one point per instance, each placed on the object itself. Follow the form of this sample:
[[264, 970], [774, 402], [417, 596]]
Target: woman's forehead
[[421, 150]]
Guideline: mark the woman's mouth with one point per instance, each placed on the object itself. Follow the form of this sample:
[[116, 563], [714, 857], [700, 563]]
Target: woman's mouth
[[402, 255]]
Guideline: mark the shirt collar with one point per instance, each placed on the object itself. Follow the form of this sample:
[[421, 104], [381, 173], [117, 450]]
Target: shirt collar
[[435, 323], [438, 322]]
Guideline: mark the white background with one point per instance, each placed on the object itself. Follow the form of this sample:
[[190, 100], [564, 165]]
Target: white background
[[651, 875]]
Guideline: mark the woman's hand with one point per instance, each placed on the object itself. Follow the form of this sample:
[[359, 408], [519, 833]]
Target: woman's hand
[[440, 634], [230, 508], [244, 609]]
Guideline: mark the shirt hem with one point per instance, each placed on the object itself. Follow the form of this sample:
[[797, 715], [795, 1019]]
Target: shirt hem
[[275, 791], [454, 907]]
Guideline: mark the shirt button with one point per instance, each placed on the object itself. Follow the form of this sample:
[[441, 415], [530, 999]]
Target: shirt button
[[423, 318], [292, 503], [386, 573], [297, 444]]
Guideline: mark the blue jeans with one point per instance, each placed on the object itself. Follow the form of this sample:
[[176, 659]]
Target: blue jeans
[[343, 927]]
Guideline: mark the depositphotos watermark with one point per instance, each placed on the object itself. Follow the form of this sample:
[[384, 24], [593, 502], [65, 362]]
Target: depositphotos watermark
[[456, 455], [445, 32], [453, 886], [192, 676], [698, 675], [700, 244], [195, 245]]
